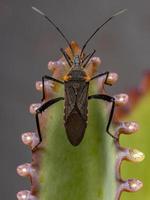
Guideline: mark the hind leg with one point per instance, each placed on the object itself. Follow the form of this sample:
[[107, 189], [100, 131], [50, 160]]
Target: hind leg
[[39, 111], [111, 100]]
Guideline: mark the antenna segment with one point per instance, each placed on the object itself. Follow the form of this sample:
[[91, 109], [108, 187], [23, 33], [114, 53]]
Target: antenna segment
[[58, 29], [109, 19]]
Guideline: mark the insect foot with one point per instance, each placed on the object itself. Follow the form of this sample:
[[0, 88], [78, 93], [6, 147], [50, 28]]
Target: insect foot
[[84, 163]]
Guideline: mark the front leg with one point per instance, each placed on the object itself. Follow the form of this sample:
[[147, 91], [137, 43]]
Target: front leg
[[39, 111], [88, 58], [109, 99], [43, 85], [68, 59], [102, 74]]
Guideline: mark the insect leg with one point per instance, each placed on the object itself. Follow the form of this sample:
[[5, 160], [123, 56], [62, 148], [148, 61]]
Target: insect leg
[[39, 111], [68, 59], [85, 58], [89, 58], [43, 85], [109, 99], [101, 74]]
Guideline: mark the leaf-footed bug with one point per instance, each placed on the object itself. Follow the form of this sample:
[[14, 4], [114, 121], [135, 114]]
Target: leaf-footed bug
[[76, 86]]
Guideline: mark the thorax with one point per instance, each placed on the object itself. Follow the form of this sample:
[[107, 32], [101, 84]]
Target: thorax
[[77, 74]]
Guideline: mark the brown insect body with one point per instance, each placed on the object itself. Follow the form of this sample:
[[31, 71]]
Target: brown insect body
[[76, 85], [76, 102]]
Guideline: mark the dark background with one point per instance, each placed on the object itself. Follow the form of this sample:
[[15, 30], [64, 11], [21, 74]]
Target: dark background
[[27, 43]]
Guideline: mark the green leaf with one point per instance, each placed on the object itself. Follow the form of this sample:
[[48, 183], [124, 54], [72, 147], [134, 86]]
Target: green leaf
[[141, 114], [82, 172]]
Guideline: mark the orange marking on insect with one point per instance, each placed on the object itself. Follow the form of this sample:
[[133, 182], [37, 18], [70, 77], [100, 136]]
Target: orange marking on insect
[[66, 78], [87, 78]]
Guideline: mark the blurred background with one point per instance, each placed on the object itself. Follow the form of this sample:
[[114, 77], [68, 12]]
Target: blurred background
[[28, 42]]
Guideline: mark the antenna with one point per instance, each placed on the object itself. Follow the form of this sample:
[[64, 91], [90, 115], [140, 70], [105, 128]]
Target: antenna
[[110, 18], [58, 29]]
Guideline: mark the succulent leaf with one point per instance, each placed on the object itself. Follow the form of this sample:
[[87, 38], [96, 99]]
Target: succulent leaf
[[89, 171]]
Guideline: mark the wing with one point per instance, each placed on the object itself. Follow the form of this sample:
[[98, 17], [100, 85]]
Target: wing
[[70, 99], [82, 100], [76, 101], [76, 95]]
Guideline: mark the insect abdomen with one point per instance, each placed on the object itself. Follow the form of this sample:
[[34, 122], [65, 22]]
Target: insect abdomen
[[75, 127]]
